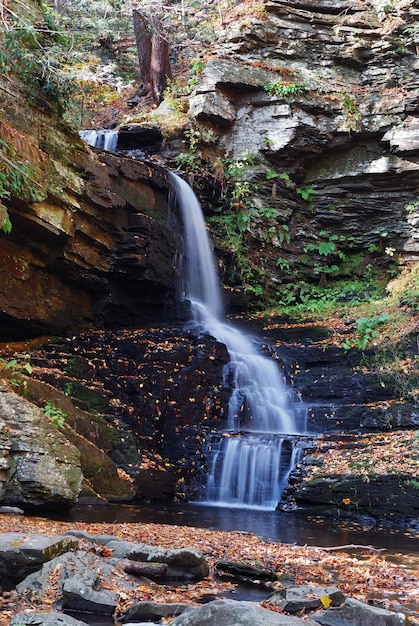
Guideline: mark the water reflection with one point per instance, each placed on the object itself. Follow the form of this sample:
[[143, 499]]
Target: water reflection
[[269, 525]]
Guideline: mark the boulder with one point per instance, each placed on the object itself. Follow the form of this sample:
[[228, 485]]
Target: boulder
[[234, 613], [44, 619], [79, 594], [305, 597], [355, 613], [183, 563], [21, 554], [84, 582], [38, 465]]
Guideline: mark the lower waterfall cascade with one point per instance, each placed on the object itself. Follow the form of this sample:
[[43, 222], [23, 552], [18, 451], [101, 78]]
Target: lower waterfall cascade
[[251, 460]]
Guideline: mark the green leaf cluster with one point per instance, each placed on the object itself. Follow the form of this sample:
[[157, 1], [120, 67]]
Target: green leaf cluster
[[367, 328], [33, 51]]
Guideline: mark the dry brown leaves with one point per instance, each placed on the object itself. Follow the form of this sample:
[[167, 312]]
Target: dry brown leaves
[[395, 452]]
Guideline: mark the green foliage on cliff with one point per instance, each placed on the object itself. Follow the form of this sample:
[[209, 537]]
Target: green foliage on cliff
[[16, 180], [32, 49]]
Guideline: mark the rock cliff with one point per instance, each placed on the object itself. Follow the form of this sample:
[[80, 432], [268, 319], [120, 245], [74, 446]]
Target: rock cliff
[[89, 243], [317, 103]]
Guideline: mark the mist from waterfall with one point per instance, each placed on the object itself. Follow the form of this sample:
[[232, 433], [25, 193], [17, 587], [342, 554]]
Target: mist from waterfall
[[251, 460]]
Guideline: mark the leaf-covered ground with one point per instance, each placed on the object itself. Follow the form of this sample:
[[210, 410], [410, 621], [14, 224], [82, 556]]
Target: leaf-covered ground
[[388, 580], [395, 452]]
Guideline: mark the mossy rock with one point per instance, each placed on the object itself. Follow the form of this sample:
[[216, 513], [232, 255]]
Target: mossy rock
[[100, 470]]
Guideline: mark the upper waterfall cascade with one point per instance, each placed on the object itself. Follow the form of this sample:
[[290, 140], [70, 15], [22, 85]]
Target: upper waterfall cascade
[[251, 461], [105, 139]]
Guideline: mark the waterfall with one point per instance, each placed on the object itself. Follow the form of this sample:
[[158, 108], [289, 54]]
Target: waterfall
[[250, 461], [105, 139]]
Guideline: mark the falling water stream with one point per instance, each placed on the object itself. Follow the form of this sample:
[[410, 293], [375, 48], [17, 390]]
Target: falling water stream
[[251, 460]]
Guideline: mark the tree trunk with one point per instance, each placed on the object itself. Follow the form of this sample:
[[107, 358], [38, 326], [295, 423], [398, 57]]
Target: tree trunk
[[160, 66], [153, 53], [142, 31]]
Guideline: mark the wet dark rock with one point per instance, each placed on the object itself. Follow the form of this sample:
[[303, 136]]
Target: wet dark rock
[[242, 571], [163, 390], [147, 137], [148, 611], [393, 497]]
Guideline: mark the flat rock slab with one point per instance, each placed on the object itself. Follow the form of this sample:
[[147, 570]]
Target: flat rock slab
[[44, 619], [234, 613], [355, 613], [183, 563], [24, 553]]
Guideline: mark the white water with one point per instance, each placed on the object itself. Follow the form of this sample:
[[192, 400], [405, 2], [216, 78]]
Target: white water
[[251, 462], [105, 139]]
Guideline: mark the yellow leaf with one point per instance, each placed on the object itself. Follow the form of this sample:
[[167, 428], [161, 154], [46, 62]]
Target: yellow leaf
[[326, 601]]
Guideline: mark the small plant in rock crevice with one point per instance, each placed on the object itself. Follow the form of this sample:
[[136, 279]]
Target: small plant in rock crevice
[[285, 90], [55, 414], [18, 383]]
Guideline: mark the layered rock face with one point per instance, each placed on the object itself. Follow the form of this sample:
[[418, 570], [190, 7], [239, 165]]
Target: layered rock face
[[323, 96], [89, 242]]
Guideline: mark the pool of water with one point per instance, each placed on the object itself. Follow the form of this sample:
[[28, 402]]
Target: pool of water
[[289, 528]]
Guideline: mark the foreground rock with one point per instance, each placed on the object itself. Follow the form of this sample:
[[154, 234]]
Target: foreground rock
[[355, 613], [152, 611], [233, 613], [305, 598], [44, 619], [21, 554], [183, 563], [38, 464], [84, 582]]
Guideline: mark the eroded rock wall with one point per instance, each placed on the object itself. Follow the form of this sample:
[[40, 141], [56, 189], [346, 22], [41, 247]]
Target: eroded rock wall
[[324, 97], [89, 243]]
